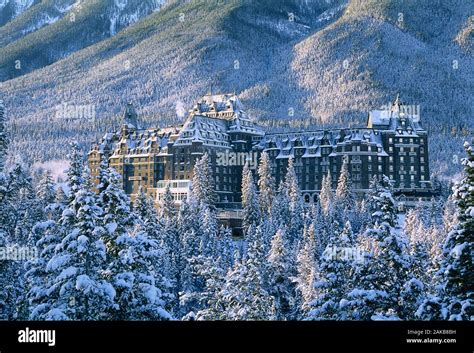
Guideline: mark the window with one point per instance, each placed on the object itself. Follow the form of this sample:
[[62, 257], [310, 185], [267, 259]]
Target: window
[[402, 160], [412, 177], [380, 168], [390, 140], [422, 159]]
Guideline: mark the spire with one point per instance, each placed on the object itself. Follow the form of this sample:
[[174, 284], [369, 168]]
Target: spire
[[396, 104], [130, 117]]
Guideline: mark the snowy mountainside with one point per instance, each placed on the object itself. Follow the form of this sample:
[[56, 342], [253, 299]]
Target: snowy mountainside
[[322, 63], [69, 24], [9, 9], [33, 19]]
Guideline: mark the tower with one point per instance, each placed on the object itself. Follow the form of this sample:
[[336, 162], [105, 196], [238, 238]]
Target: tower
[[130, 117]]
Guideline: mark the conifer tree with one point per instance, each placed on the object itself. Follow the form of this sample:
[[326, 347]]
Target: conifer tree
[[326, 196], [266, 185], [117, 217], [344, 197], [244, 290], [379, 279], [78, 290], [457, 267], [306, 266], [167, 209], [333, 278], [142, 292], [296, 207], [279, 272], [74, 172], [45, 190], [3, 137], [251, 211], [203, 182]]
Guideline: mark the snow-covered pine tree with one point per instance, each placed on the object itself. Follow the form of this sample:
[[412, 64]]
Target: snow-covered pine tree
[[306, 267], [296, 207], [37, 278], [458, 266], [381, 202], [117, 217], [208, 231], [3, 137], [244, 291], [435, 239], [144, 209], [380, 278], [449, 214], [142, 292], [412, 223], [225, 248], [203, 182], [7, 294], [333, 278], [280, 208], [78, 291], [189, 230], [211, 306], [207, 269], [166, 208], [60, 199], [266, 185], [45, 189], [250, 206], [279, 272], [18, 203], [344, 198], [326, 196], [74, 172]]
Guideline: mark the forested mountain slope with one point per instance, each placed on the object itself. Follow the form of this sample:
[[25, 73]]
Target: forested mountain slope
[[293, 63]]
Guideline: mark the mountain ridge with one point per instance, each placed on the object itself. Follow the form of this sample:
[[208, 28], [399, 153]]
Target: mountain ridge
[[292, 64]]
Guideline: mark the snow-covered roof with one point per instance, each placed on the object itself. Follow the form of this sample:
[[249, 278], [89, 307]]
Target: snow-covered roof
[[217, 103]]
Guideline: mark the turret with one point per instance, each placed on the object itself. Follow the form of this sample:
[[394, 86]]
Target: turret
[[130, 117]]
